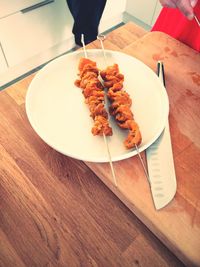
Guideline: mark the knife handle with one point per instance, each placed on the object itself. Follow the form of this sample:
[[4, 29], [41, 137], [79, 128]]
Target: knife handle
[[161, 72]]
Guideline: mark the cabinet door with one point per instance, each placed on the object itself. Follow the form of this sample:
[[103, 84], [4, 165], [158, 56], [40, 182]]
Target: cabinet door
[[156, 13], [8, 7], [112, 9], [26, 34], [3, 63], [141, 9], [112, 15]]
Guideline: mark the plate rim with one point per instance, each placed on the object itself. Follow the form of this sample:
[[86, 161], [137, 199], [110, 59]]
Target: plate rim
[[102, 159]]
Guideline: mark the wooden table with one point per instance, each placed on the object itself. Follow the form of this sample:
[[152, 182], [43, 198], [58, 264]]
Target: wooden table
[[55, 211]]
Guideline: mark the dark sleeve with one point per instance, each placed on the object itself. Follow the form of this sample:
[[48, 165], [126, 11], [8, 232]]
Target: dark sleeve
[[87, 15]]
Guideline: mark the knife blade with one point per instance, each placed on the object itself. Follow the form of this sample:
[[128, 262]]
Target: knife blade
[[160, 163]]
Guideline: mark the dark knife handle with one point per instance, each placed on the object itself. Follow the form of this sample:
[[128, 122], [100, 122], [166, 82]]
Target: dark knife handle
[[161, 71]]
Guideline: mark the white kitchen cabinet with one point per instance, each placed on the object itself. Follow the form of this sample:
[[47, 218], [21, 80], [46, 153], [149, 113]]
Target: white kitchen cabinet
[[8, 7], [3, 63], [142, 10], [113, 8], [156, 13], [26, 34], [112, 15]]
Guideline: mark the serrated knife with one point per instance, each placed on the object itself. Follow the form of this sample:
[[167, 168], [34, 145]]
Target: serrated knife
[[160, 163]]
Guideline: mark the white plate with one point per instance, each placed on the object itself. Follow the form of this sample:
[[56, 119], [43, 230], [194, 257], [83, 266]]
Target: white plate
[[57, 112]]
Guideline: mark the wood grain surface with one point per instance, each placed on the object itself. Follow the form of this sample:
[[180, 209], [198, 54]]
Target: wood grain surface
[[54, 210]]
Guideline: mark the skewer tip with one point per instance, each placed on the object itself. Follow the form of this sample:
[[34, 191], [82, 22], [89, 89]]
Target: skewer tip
[[101, 37], [82, 39]]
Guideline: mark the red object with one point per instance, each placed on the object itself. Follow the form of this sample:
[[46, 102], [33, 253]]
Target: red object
[[174, 23]]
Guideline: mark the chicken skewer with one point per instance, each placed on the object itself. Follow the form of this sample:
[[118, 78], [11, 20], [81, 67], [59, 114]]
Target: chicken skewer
[[120, 107], [95, 99]]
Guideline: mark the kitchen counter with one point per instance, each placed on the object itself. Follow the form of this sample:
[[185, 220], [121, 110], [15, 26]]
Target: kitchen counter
[[56, 211]]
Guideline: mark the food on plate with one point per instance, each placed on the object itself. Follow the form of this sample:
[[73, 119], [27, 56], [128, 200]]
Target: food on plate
[[120, 107], [93, 92]]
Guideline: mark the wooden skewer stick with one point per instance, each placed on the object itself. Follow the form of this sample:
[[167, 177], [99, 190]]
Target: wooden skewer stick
[[101, 38], [198, 22], [105, 139]]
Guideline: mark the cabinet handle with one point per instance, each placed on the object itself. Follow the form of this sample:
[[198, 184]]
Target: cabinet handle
[[30, 8]]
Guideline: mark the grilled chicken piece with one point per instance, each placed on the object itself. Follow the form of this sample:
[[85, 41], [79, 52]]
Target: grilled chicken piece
[[93, 92], [120, 107]]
